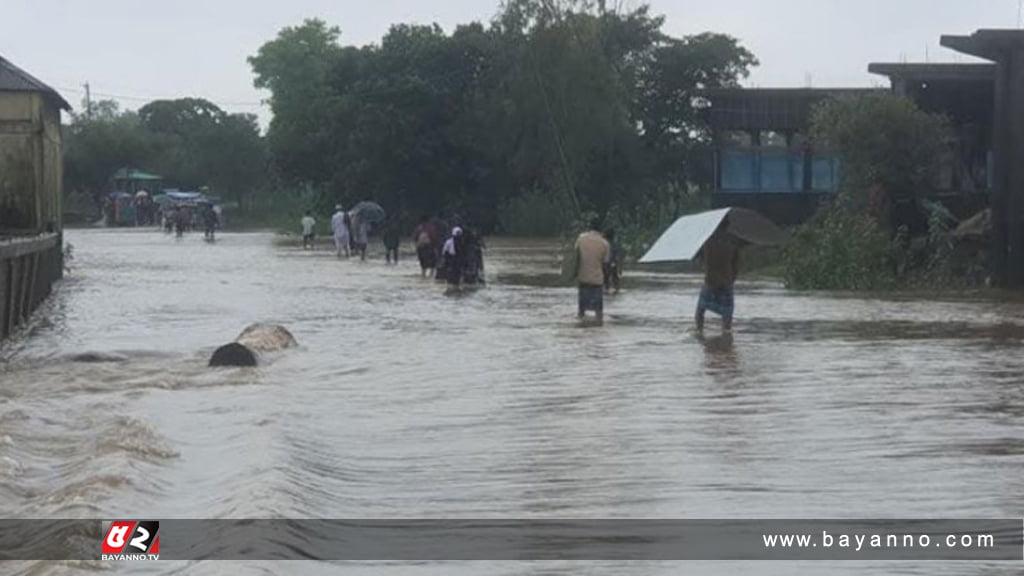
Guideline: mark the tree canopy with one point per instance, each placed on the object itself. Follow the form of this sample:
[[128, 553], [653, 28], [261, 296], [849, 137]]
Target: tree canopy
[[191, 142], [554, 109], [581, 106]]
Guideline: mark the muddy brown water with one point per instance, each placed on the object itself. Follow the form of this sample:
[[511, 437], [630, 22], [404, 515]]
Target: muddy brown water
[[404, 403]]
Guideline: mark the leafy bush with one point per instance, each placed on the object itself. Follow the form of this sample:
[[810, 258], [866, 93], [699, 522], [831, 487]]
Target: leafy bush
[[890, 150], [843, 250], [839, 250]]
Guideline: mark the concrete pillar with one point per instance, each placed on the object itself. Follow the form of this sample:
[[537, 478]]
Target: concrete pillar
[[1000, 182], [1014, 158], [1006, 49]]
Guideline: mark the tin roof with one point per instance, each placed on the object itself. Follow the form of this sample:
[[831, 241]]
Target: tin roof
[[14, 79]]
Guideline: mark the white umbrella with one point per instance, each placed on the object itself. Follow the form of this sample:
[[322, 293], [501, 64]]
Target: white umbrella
[[685, 238]]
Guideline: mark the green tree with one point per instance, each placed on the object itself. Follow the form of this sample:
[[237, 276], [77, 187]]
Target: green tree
[[563, 105], [191, 142], [97, 145], [890, 150], [296, 67]]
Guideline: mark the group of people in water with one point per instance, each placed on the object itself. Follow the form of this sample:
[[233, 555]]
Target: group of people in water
[[351, 234], [184, 218], [449, 253], [454, 254]]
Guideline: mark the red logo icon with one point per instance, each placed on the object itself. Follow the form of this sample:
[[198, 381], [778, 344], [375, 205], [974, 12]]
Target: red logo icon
[[132, 541]]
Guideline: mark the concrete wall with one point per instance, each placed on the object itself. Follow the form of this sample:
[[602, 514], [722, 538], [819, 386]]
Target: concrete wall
[[31, 173], [29, 267], [31, 169]]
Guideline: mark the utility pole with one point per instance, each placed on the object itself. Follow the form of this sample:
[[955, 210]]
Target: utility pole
[[88, 102]]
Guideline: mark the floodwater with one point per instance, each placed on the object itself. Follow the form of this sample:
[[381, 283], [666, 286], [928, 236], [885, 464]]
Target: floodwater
[[404, 403]]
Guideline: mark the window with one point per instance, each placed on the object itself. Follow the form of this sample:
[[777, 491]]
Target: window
[[824, 174], [737, 139], [773, 139], [776, 175], [738, 170]]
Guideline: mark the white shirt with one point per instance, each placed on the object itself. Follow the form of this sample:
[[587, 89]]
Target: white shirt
[[307, 225], [338, 225]]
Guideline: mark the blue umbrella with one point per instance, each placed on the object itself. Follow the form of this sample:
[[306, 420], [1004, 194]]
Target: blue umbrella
[[369, 212]]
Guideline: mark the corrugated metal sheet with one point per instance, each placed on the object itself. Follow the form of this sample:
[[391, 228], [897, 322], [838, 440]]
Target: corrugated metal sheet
[[15, 79]]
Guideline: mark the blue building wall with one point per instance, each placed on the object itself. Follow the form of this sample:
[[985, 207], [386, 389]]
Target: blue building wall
[[784, 184], [774, 171]]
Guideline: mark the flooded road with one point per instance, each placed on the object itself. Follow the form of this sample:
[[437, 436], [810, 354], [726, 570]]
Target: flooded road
[[404, 403]]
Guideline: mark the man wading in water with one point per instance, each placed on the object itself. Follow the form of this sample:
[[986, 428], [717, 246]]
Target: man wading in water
[[593, 253], [720, 258]]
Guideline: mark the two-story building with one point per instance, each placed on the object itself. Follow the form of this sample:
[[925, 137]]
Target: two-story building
[[764, 159]]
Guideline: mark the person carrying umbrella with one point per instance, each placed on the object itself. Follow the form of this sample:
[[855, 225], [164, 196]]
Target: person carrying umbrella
[[720, 259], [360, 235], [715, 239]]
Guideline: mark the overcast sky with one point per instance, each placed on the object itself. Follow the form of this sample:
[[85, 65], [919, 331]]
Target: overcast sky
[[139, 50]]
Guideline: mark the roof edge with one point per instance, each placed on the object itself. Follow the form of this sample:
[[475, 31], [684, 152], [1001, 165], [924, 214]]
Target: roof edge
[[33, 84]]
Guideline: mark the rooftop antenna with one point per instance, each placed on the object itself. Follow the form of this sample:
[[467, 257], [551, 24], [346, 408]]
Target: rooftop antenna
[[808, 80]]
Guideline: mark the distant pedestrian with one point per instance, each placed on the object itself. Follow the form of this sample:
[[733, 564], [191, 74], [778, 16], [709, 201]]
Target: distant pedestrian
[[181, 221], [454, 254], [613, 269], [339, 227], [360, 235], [473, 272], [392, 240], [720, 259], [423, 236], [209, 222], [308, 236], [592, 254]]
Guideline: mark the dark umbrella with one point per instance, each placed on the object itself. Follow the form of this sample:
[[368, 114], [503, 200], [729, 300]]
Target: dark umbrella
[[369, 212]]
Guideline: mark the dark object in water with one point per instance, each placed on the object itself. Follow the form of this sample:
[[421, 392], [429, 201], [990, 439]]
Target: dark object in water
[[233, 354], [98, 358], [245, 350]]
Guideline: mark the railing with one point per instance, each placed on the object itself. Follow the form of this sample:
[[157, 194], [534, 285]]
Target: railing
[[29, 266]]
